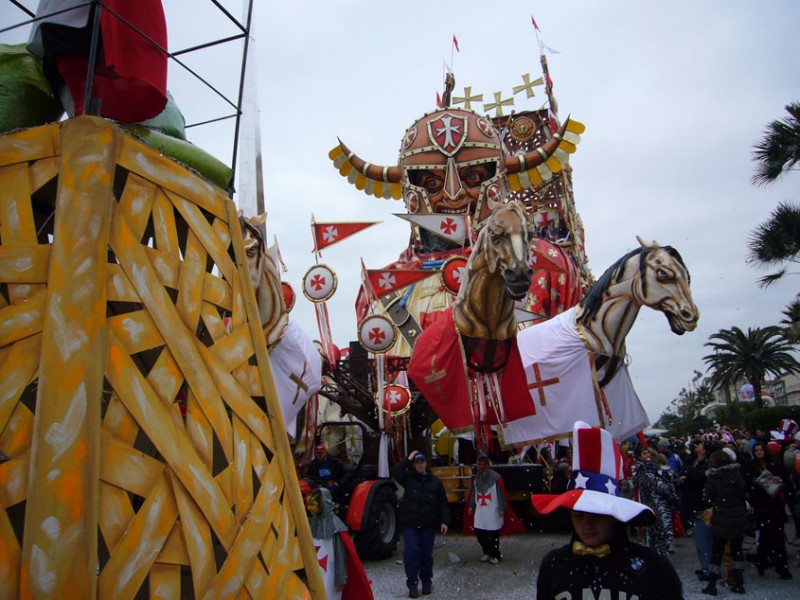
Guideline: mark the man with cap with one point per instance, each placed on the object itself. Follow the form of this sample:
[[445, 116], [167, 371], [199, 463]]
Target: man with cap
[[423, 512], [600, 561], [325, 470]]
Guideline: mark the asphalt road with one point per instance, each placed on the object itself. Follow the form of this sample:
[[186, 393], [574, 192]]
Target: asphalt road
[[459, 574]]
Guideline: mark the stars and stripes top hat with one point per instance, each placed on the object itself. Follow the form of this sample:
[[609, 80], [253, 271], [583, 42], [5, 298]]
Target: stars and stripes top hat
[[787, 430], [594, 484]]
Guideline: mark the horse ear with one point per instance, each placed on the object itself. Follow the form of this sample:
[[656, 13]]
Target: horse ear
[[239, 213], [258, 220], [647, 246]]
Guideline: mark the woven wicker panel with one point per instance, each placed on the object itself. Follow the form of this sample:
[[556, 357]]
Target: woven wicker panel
[[146, 451]]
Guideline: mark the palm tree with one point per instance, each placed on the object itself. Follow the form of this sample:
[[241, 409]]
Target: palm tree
[[776, 241], [791, 324], [751, 356], [779, 151]]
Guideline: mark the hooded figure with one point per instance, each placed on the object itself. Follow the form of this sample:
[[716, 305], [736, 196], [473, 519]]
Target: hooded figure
[[342, 571], [488, 512]]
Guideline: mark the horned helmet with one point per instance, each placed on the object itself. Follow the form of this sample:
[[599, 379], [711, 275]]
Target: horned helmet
[[453, 160]]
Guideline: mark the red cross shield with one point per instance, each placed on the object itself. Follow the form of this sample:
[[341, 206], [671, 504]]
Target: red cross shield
[[319, 283], [396, 399], [289, 297], [453, 271], [377, 333], [448, 132]]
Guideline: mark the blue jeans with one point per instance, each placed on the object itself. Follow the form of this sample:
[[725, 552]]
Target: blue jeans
[[703, 541], [418, 555]]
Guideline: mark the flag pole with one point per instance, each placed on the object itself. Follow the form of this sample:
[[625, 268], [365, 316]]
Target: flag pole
[[314, 237]]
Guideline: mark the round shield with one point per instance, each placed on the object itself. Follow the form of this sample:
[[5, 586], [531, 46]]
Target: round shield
[[396, 399], [522, 129], [319, 283], [453, 271], [289, 296], [377, 333]]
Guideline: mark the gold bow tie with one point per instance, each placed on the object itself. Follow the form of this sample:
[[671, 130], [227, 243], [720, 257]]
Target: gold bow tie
[[581, 549]]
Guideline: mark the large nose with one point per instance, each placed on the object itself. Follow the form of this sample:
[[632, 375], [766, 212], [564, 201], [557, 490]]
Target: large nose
[[452, 182]]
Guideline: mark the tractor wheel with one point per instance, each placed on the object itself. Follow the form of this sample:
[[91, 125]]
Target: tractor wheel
[[378, 540]]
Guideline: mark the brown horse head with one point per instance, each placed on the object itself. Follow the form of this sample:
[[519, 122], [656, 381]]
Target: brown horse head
[[506, 245]]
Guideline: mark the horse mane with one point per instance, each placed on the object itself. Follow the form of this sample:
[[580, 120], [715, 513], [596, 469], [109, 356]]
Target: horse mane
[[593, 299]]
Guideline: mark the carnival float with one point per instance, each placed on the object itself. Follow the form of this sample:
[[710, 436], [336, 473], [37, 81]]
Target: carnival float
[[144, 449], [155, 390]]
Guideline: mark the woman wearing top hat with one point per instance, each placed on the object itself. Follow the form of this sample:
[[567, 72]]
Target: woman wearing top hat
[[600, 561]]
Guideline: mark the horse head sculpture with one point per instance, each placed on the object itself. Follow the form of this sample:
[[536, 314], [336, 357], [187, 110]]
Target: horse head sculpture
[[266, 279], [497, 274], [652, 275]]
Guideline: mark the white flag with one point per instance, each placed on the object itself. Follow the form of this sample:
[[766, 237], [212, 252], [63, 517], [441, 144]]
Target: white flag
[[297, 370], [628, 416], [451, 227], [561, 382]]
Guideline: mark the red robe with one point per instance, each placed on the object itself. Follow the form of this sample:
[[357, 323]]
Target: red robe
[[358, 586], [438, 370]]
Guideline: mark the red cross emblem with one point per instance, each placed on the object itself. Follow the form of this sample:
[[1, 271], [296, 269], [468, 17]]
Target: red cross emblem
[[318, 282], [376, 333], [323, 560], [448, 226], [482, 498], [448, 132]]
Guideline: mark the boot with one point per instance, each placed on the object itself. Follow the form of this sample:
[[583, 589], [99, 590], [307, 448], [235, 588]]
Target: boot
[[711, 586], [738, 582], [783, 571]]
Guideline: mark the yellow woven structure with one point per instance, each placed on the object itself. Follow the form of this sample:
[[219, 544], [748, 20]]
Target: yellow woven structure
[[123, 294]]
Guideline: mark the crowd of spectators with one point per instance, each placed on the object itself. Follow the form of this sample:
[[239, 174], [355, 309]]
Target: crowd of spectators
[[719, 487]]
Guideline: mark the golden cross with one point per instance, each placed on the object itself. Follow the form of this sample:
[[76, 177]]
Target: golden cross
[[435, 376], [468, 99], [528, 85], [301, 385], [539, 384], [498, 104]]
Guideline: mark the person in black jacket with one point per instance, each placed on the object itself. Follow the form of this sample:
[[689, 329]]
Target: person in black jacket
[[600, 561], [423, 512], [725, 490]]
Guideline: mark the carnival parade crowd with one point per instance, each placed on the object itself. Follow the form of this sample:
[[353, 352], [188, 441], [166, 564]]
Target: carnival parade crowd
[[718, 487]]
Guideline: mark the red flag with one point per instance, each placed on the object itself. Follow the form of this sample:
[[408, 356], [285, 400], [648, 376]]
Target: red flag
[[386, 281], [455, 42], [534, 23], [439, 372], [438, 100], [327, 234]]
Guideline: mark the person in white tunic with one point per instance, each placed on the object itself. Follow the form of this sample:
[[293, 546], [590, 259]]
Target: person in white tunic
[[331, 554], [487, 505]]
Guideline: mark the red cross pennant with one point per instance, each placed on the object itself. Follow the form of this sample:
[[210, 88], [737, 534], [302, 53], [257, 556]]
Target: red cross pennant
[[482, 498], [538, 383]]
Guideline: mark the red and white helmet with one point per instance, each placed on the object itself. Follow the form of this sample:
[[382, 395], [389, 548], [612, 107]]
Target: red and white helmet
[[452, 160]]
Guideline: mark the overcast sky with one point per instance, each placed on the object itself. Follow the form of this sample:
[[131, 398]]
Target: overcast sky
[[673, 96]]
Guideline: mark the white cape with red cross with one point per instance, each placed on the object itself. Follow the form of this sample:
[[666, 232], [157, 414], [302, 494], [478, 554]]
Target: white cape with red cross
[[562, 384]]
